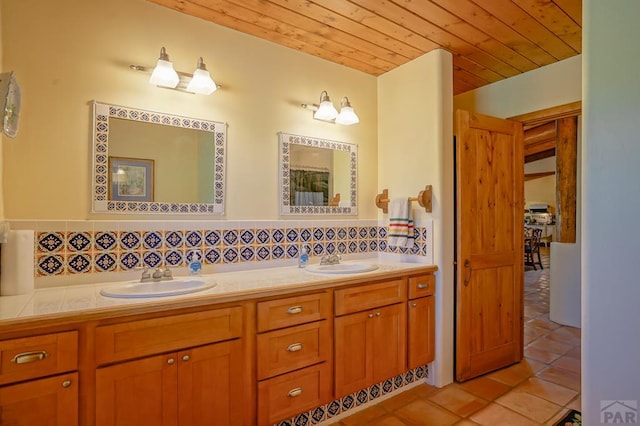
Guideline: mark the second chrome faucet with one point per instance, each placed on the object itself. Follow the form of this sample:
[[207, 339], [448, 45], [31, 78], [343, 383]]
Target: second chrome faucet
[[161, 273]]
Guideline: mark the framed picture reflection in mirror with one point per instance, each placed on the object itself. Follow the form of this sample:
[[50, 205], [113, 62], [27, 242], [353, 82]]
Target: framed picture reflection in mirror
[[131, 179]]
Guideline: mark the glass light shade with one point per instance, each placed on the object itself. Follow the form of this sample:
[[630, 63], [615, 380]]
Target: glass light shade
[[347, 116], [164, 74], [202, 83], [326, 111]]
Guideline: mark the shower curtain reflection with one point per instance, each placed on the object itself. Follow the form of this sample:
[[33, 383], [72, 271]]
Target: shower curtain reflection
[[309, 188]]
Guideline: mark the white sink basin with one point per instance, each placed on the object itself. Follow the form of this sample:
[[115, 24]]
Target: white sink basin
[[342, 268], [157, 288]]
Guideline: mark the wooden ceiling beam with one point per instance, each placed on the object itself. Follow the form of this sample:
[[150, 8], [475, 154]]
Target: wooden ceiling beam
[[540, 156], [532, 176], [540, 146]]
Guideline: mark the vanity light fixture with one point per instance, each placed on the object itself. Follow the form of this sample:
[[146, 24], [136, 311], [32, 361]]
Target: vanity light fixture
[[347, 116], [327, 112], [164, 75], [201, 83]]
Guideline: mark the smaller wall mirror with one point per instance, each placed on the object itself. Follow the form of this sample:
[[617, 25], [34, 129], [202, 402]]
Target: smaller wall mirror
[[317, 176], [150, 162]]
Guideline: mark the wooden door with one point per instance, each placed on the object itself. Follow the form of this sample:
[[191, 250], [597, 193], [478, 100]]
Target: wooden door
[[44, 402], [489, 254], [389, 342], [210, 390], [134, 393], [421, 331]]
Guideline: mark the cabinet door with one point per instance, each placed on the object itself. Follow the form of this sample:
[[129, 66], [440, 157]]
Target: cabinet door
[[44, 402], [210, 385], [389, 341], [352, 346], [370, 346], [421, 331], [135, 393]]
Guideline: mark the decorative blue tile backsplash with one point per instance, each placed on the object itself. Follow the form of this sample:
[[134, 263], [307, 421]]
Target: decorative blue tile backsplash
[[65, 252], [353, 400]]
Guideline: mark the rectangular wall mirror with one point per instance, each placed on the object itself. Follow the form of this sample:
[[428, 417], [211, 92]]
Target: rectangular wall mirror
[[317, 176], [150, 162]]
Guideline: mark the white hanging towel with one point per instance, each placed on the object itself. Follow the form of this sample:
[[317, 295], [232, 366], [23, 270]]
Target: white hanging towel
[[400, 223]]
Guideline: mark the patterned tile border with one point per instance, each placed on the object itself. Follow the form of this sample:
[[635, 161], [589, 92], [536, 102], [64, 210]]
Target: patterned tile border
[[80, 252], [363, 396]]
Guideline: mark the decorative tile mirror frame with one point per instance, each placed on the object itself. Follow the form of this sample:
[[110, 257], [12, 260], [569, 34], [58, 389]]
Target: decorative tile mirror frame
[[101, 202], [347, 207]]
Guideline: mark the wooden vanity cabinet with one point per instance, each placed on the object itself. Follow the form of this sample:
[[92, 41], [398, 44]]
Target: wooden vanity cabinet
[[370, 334], [421, 320], [39, 380], [198, 386], [294, 348], [183, 369]]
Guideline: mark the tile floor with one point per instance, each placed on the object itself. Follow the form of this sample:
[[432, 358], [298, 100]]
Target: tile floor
[[537, 391]]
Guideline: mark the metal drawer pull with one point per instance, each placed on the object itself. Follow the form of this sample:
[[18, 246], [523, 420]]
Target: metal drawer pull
[[377, 314], [185, 358], [414, 305], [294, 310], [295, 392], [423, 286], [66, 383], [295, 347], [27, 357], [370, 315], [171, 361]]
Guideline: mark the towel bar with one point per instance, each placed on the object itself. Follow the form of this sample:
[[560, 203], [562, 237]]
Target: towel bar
[[423, 198]]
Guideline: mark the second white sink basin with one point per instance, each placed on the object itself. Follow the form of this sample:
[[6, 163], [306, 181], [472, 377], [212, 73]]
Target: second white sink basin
[[157, 288], [342, 268]]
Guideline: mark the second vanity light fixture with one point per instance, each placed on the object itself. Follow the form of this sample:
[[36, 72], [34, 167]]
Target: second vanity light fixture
[[164, 75], [327, 112]]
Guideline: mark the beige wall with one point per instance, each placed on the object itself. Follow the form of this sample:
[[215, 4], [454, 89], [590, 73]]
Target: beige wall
[[415, 149], [541, 190], [69, 52], [611, 153]]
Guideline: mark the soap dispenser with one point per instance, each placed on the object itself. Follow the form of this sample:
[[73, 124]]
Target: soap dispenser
[[195, 265], [303, 258]]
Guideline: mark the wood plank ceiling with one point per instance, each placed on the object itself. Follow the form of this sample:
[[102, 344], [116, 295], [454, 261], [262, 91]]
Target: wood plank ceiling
[[490, 39]]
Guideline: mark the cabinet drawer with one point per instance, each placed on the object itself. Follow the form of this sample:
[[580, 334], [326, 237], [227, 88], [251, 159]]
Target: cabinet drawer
[[291, 348], [147, 337], [38, 356], [49, 401], [293, 393], [290, 311], [361, 298], [422, 285]]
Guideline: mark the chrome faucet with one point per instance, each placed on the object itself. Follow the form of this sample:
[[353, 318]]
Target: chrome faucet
[[146, 275], [159, 274], [330, 259]]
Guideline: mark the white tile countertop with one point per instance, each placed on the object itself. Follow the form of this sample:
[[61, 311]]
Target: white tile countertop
[[78, 300]]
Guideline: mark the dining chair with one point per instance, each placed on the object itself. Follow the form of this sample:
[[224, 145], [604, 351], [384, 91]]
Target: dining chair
[[532, 247]]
